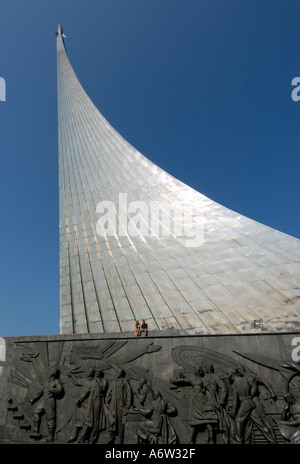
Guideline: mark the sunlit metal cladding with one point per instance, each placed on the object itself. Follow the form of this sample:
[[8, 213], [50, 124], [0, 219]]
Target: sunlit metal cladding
[[136, 243]]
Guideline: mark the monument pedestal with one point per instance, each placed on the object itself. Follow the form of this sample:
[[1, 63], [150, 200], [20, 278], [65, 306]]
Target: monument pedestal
[[167, 388]]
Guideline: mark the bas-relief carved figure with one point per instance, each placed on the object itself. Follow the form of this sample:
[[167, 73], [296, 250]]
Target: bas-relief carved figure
[[144, 394], [289, 425], [246, 405], [98, 393], [118, 401], [218, 393], [45, 402], [158, 428], [90, 420], [208, 400]]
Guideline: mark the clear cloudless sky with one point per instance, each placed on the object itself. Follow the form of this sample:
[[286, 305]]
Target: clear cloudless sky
[[201, 87]]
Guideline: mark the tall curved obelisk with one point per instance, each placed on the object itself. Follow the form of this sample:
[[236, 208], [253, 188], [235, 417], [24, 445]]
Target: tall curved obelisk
[[136, 243]]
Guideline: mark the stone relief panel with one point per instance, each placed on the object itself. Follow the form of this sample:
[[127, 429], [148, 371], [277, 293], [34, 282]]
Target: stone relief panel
[[225, 397], [151, 391]]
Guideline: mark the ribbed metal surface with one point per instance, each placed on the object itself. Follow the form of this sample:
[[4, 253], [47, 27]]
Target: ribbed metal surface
[[244, 277]]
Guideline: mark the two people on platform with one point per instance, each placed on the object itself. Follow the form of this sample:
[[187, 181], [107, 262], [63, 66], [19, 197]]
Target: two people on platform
[[139, 329]]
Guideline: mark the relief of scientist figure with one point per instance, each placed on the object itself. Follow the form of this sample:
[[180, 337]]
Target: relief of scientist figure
[[118, 401], [203, 412], [158, 428], [92, 417]]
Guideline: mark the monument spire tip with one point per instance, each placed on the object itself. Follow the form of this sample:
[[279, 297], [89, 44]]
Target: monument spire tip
[[60, 32]]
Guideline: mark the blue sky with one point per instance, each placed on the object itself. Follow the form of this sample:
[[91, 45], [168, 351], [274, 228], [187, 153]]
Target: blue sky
[[201, 87]]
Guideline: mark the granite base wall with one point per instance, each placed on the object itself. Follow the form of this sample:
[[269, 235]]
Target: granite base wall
[[173, 389]]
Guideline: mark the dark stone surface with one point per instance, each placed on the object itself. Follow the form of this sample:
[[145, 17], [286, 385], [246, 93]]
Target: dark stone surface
[[162, 389]]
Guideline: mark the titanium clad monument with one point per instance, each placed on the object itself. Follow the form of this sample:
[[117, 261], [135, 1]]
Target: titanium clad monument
[[219, 292], [136, 243]]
